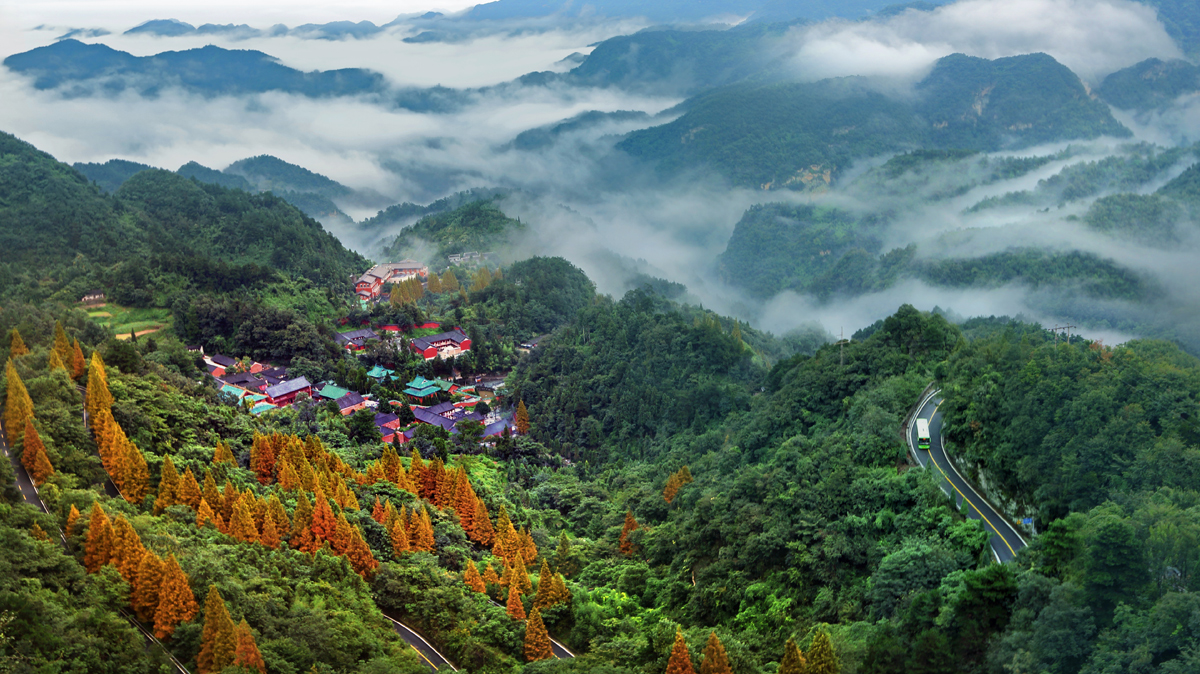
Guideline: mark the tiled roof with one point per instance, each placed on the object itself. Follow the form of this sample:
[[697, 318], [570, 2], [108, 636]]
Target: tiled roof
[[332, 392], [290, 386], [350, 400], [381, 419], [355, 336], [455, 336], [223, 361]]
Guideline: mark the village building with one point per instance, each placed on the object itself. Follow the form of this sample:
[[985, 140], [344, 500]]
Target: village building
[[330, 392], [286, 392], [369, 286], [350, 403], [447, 344], [355, 340], [379, 373], [469, 257], [93, 298]]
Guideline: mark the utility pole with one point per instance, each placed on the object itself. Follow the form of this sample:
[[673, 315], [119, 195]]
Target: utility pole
[[1062, 327], [842, 347]]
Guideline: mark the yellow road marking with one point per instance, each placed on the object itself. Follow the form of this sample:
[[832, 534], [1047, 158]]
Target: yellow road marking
[[985, 519], [423, 656]]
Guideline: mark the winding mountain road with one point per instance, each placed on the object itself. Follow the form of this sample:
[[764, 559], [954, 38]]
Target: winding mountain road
[[1005, 540]]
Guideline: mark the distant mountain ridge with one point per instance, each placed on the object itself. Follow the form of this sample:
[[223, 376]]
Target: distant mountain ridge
[[80, 69], [801, 136]]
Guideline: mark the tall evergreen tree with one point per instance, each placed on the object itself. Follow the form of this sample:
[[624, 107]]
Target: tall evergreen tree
[[33, 456], [715, 659], [324, 524], [217, 641], [537, 640], [127, 550], [472, 578], [205, 515], [545, 588], [358, 553], [821, 658], [98, 550], [62, 345], [241, 526], [55, 363], [489, 575], [680, 661], [246, 654], [78, 362], [522, 418], [16, 345], [18, 406], [423, 541], [168, 486], [72, 519], [793, 661], [149, 580], [399, 536], [631, 525], [222, 454], [514, 608], [137, 477], [481, 527], [176, 603], [189, 490]]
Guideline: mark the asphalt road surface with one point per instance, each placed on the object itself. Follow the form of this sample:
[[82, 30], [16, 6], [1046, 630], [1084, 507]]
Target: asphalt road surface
[[1005, 541], [428, 653]]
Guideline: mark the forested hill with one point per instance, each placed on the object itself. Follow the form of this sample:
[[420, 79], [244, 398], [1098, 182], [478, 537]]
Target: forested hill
[[51, 217], [477, 226], [78, 69], [802, 135]]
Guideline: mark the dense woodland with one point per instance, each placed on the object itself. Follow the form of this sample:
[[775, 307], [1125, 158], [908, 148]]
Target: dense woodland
[[684, 492]]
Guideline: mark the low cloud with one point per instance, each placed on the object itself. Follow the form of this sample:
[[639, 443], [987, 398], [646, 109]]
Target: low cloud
[[1091, 37]]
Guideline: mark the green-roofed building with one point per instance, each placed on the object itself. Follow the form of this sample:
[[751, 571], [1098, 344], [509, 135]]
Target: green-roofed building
[[233, 390], [331, 392], [262, 407], [379, 373]]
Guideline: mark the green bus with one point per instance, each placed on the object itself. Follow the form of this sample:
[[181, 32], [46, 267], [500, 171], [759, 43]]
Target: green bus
[[923, 434]]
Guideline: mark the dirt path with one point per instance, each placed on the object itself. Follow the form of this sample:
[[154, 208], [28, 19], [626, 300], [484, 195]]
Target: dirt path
[[125, 336]]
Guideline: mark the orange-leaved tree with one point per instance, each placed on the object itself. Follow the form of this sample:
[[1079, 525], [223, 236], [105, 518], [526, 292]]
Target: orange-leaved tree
[[18, 407], [246, 653], [176, 603], [217, 641], [472, 578], [537, 640], [98, 550], [631, 525], [33, 455], [715, 659], [680, 661]]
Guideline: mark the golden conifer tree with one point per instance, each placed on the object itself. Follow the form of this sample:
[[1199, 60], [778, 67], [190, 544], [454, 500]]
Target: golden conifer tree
[[72, 518], [176, 603], [168, 486], [423, 540], [189, 490], [522, 418], [137, 476], [217, 641], [288, 478], [62, 345], [246, 654], [399, 535], [537, 640], [631, 525], [270, 535], [222, 454], [278, 515], [324, 524], [821, 658], [16, 345], [520, 576], [33, 456], [465, 505], [98, 550], [545, 588], [127, 549], [680, 661], [210, 492], [145, 592], [793, 661], [205, 515], [358, 553], [672, 488], [18, 406], [449, 281], [560, 593], [55, 363], [241, 527], [340, 542], [489, 575], [482, 529], [715, 659], [472, 578], [98, 395], [229, 498], [529, 551], [416, 468], [38, 532], [302, 536], [515, 609], [377, 512], [78, 362]]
